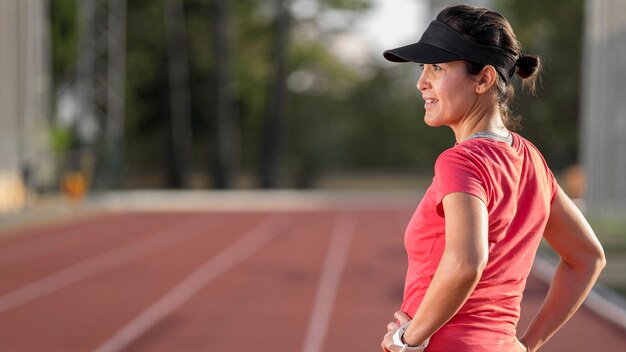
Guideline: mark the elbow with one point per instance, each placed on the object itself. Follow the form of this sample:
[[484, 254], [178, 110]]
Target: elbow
[[478, 268], [591, 263], [470, 274], [470, 270], [596, 264], [597, 260], [600, 260], [463, 267]]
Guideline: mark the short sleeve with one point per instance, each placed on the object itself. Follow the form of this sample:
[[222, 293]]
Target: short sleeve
[[554, 186], [456, 171]]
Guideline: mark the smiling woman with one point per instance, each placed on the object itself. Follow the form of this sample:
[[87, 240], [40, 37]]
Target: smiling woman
[[472, 239]]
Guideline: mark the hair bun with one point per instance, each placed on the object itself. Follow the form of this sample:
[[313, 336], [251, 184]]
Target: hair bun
[[527, 65]]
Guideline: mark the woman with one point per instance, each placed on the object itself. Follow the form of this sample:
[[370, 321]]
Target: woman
[[472, 240]]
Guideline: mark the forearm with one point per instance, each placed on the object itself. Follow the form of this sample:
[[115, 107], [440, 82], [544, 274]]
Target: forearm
[[450, 287], [568, 290]]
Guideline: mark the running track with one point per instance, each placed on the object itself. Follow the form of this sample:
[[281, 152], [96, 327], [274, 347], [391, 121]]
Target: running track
[[310, 280]]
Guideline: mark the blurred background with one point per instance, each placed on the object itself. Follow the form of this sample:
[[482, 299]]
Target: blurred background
[[114, 95]]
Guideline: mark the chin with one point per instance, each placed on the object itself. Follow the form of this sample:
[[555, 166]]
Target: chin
[[432, 122]]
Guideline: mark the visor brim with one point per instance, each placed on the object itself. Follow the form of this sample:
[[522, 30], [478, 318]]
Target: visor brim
[[420, 53]]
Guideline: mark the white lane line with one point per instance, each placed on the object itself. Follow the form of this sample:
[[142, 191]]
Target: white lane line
[[60, 242], [241, 249], [26, 251], [33, 245], [330, 280], [176, 233]]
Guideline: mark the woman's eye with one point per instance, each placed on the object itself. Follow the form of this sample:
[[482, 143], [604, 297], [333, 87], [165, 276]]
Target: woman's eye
[[436, 67], [422, 67]]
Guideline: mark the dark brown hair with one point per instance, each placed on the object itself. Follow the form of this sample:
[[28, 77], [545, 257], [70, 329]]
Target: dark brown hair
[[487, 27]]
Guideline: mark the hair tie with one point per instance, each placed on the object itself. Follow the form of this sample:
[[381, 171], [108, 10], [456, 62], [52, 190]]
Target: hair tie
[[517, 62]]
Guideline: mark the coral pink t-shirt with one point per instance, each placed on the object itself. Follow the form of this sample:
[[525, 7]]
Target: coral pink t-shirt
[[517, 187]]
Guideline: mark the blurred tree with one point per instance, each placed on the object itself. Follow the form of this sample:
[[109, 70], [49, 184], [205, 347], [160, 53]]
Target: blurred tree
[[147, 95], [64, 39], [223, 151], [64, 42], [309, 54], [273, 135], [180, 136]]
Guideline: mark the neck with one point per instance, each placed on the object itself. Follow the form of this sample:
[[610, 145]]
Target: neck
[[486, 120]]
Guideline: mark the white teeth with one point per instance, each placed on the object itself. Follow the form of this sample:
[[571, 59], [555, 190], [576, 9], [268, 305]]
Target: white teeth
[[429, 101]]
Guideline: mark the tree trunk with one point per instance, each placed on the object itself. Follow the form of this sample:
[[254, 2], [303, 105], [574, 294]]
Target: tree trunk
[[224, 139], [273, 133], [180, 136]]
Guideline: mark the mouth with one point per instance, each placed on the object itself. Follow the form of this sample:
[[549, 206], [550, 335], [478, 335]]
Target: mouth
[[429, 101]]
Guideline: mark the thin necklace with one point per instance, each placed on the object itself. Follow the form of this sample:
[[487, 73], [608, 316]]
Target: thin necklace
[[491, 135]]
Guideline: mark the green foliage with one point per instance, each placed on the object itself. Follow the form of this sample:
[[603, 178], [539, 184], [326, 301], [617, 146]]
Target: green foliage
[[64, 36], [352, 5], [146, 87], [62, 139], [252, 71]]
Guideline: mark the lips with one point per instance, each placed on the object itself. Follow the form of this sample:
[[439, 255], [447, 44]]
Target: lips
[[429, 101]]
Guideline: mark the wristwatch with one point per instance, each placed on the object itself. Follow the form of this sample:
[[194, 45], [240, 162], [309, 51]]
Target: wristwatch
[[397, 340]]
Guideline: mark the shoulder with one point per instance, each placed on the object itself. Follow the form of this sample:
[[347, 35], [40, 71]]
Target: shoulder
[[461, 155], [457, 153], [458, 170], [459, 162]]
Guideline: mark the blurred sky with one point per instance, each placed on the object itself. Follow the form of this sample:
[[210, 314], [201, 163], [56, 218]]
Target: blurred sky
[[394, 22], [389, 23]]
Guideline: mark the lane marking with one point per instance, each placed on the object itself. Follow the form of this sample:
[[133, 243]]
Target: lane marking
[[165, 238], [241, 249], [334, 263], [42, 240], [25, 251], [59, 242]]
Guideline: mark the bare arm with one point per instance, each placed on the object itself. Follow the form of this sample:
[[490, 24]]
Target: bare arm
[[582, 259], [460, 268]]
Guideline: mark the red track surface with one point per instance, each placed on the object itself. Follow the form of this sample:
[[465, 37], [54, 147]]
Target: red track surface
[[239, 281]]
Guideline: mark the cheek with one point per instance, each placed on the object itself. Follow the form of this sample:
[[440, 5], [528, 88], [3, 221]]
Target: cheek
[[456, 95]]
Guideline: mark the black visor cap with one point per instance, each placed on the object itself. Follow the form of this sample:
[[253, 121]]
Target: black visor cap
[[440, 43]]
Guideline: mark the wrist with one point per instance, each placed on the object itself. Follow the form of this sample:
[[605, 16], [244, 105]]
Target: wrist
[[400, 340], [412, 338]]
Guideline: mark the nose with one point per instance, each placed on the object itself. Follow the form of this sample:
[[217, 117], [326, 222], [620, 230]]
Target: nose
[[423, 82]]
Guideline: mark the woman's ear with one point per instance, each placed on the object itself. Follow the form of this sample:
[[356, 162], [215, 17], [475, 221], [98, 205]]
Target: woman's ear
[[487, 78]]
